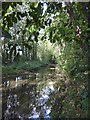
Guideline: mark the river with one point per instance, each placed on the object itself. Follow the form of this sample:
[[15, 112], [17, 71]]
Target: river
[[35, 95]]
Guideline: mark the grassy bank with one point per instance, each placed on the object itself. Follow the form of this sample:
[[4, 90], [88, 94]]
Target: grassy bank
[[17, 68]]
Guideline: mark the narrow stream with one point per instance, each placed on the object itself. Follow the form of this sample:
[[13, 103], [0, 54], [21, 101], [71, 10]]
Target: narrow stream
[[32, 96]]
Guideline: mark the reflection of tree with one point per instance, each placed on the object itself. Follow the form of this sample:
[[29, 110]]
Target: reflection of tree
[[56, 102], [29, 93], [21, 100]]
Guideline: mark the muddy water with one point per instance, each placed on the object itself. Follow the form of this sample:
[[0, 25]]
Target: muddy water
[[32, 96]]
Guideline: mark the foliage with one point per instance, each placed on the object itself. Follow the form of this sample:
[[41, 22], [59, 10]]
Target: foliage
[[45, 50]]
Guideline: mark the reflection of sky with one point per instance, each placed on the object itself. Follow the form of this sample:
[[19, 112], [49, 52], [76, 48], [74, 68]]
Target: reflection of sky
[[45, 110]]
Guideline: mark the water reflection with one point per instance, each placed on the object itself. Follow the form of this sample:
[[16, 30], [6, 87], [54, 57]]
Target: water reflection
[[28, 98]]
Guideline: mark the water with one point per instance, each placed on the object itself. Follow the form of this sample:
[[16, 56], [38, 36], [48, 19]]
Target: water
[[32, 96]]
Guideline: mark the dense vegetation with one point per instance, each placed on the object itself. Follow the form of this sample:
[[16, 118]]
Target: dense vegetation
[[37, 34]]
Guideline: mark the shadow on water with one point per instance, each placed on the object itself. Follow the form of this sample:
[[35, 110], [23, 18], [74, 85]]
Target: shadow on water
[[30, 96]]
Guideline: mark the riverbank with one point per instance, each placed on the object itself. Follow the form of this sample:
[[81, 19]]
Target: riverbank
[[22, 67]]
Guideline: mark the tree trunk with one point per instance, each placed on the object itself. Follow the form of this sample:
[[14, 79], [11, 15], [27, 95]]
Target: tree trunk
[[34, 51]]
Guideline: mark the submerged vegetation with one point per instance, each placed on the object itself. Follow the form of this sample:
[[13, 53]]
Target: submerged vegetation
[[40, 34]]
